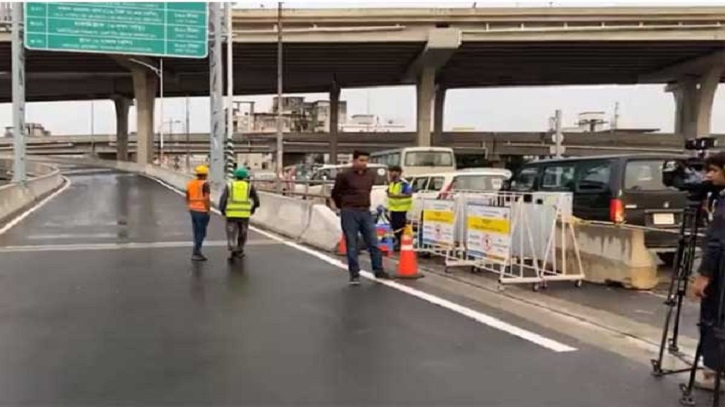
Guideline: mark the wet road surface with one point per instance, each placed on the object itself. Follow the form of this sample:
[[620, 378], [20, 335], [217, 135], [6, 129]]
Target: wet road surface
[[99, 304]]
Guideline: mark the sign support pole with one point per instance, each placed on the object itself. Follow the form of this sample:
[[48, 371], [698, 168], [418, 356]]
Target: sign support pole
[[229, 150], [216, 148], [18, 79], [280, 104]]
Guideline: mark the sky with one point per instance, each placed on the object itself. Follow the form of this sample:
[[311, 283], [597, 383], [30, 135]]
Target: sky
[[491, 109]]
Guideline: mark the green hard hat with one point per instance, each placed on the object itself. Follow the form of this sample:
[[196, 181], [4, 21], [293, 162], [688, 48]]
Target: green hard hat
[[241, 173]]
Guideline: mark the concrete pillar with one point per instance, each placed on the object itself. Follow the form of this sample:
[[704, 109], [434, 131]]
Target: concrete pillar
[[694, 96], [425, 92], [334, 121], [145, 84], [122, 105], [438, 107]]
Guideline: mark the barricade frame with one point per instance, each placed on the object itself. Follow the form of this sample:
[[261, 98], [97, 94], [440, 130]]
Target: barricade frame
[[522, 264]]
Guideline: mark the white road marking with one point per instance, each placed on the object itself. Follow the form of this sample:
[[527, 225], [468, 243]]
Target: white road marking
[[39, 205], [459, 309], [123, 246]]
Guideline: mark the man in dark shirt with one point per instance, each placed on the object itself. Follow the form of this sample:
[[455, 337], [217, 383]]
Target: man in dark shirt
[[709, 277], [351, 194]]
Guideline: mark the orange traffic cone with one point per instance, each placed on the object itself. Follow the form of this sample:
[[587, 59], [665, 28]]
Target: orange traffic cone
[[342, 246], [407, 263]]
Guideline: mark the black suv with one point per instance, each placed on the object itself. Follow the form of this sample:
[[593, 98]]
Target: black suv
[[622, 188]]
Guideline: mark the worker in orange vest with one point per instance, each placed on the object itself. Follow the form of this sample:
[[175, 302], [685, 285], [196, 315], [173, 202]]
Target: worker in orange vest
[[198, 199]]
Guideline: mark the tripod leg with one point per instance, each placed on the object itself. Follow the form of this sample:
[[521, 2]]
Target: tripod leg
[[687, 399], [681, 293], [674, 298], [657, 363]]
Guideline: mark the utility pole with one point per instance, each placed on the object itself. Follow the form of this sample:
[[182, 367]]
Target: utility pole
[[558, 136], [280, 141], [615, 121], [188, 138], [216, 148], [18, 79]]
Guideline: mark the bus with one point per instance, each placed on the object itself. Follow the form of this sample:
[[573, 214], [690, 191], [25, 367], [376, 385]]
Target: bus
[[418, 160]]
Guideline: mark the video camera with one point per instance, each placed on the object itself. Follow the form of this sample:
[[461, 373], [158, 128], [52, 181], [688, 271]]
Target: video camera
[[688, 175]]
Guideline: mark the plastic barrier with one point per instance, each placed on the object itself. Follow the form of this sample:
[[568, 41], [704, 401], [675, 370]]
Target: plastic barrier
[[513, 235]]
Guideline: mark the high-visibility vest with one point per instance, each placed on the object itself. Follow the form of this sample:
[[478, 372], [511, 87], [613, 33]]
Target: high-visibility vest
[[197, 201], [398, 204], [238, 203]]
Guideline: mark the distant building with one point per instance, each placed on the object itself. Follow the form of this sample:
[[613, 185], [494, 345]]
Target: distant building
[[297, 116], [31, 130], [363, 123]]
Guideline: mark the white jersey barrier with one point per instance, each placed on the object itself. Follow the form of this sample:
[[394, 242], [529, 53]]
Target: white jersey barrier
[[522, 237]]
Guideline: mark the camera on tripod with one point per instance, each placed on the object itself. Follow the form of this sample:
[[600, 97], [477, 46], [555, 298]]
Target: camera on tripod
[[687, 175]]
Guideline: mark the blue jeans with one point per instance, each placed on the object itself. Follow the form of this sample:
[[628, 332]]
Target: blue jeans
[[360, 221], [199, 222]]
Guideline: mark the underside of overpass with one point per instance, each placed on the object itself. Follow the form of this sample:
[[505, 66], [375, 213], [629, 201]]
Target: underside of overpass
[[313, 67], [434, 49]]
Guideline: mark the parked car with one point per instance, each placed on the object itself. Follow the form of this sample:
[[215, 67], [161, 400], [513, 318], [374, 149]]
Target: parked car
[[444, 185], [321, 180], [620, 189]]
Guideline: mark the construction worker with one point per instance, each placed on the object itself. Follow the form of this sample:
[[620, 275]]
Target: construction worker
[[238, 203], [198, 199], [400, 200]]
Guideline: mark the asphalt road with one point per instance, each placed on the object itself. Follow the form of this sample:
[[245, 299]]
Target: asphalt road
[[100, 304]]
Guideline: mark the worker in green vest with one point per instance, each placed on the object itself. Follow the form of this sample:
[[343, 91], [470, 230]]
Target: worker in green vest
[[238, 203], [400, 200]]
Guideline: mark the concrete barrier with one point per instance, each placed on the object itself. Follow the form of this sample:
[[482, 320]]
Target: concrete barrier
[[286, 216], [16, 198], [615, 254], [324, 230]]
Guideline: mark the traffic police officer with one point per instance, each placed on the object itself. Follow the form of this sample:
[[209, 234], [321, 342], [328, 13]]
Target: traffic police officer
[[400, 200], [238, 203]]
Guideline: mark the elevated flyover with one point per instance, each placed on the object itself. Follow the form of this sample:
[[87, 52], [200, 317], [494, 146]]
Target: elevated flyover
[[435, 49], [494, 144], [377, 47]]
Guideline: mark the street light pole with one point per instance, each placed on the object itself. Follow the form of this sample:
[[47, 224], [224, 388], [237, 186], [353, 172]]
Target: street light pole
[[280, 141], [93, 127], [18, 81], [161, 109], [188, 141]]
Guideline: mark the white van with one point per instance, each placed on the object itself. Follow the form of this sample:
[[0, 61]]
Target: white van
[[417, 160], [322, 179], [444, 185]]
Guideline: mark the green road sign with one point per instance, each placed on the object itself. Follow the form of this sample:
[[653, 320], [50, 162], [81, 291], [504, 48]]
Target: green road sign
[[158, 29]]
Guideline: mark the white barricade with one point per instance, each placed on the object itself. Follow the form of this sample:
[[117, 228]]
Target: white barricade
[[523, 237]]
